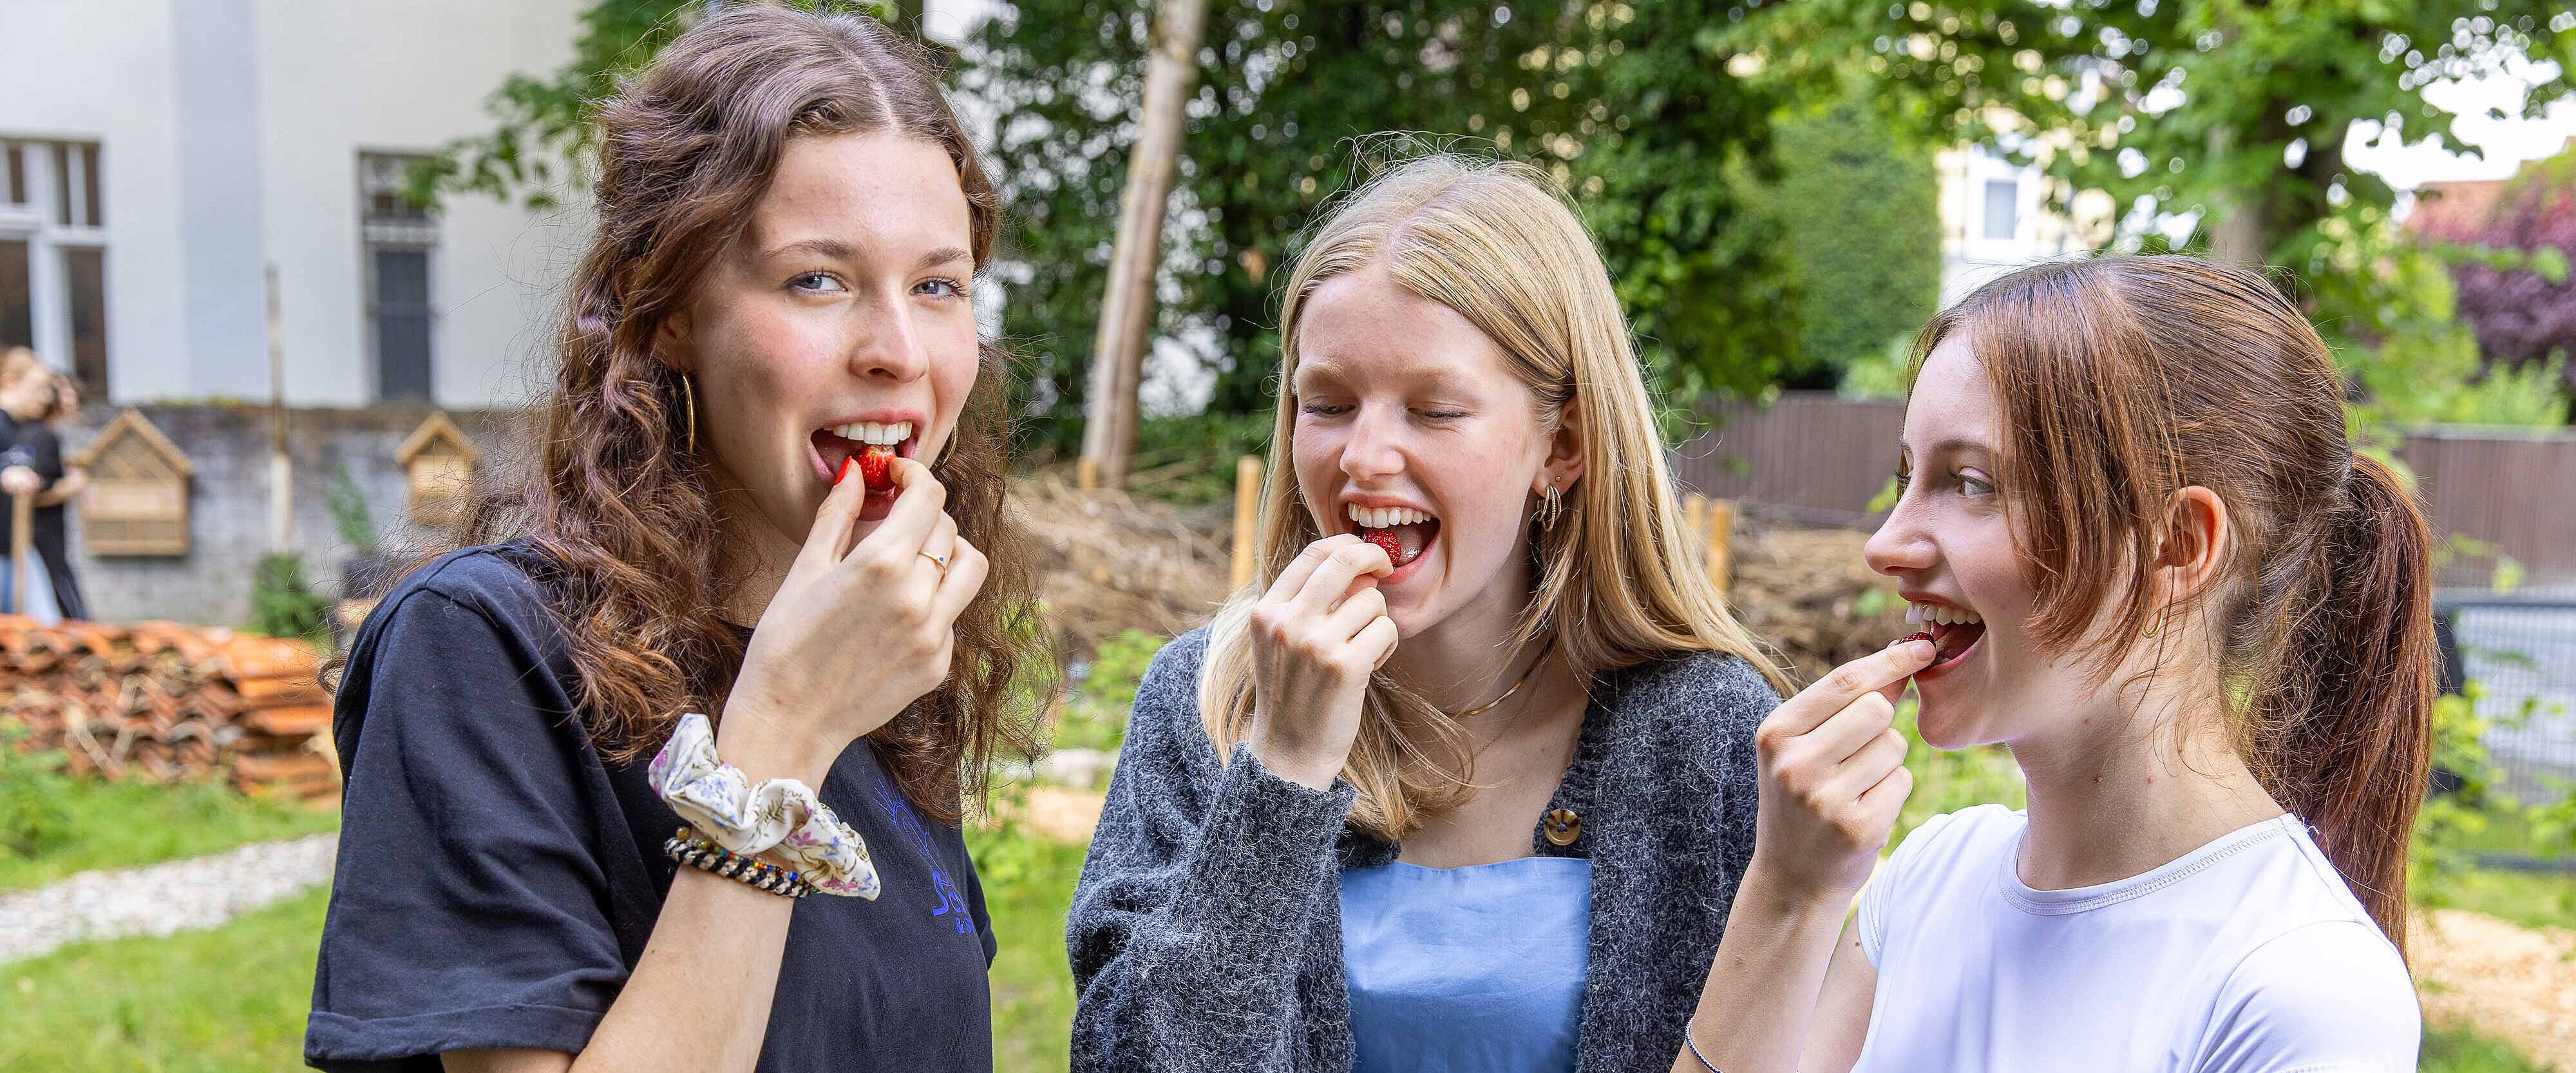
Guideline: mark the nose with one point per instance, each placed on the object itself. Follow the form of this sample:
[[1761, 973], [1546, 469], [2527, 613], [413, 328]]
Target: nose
[[1375, 449], [1903, 544], [886, 341]]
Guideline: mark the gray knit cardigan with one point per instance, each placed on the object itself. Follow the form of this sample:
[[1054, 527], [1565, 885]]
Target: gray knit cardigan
[[1206, 932]]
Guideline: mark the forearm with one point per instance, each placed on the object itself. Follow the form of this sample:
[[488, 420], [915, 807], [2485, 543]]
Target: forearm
[[1762, 987]]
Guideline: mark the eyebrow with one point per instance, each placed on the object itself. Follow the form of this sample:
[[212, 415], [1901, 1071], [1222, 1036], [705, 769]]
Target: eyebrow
[[842, 251], [1950, 445]]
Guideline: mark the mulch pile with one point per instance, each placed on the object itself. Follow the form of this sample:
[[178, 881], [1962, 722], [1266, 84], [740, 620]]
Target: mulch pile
[[166, 702]]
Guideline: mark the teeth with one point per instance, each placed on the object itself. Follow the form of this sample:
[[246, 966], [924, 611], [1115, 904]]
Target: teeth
[[884, 435], [1941, 614], [1382, 517]]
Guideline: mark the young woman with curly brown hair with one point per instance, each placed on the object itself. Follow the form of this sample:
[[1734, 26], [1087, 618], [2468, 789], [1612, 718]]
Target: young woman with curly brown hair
[[788, 219]]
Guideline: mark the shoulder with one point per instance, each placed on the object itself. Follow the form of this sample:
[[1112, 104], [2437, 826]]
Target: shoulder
[[1953, 847], [2327, 994], [498, 582], [1167, 697], [1179, 658]]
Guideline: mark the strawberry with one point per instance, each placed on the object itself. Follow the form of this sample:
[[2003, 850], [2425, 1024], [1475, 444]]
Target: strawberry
[[1385, 541], [1916, 636], [876, 466]]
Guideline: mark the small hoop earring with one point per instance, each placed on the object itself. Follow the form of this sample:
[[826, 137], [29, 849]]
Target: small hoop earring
[[1550, 506], [2159, 627], [689, 400]]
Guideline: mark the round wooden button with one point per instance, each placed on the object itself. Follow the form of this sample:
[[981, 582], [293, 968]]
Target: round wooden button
[[1562, 826]]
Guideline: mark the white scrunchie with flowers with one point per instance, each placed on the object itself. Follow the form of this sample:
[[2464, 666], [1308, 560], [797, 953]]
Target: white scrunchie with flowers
[[782, 814]]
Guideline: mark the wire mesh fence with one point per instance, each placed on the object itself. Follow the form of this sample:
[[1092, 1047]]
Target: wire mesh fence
[[2520, 648]]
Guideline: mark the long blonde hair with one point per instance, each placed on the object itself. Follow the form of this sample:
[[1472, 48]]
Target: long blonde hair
[[1617, 581]]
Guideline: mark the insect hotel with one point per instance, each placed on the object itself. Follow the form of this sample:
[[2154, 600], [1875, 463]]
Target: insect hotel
[[438, 464], [137, 501]]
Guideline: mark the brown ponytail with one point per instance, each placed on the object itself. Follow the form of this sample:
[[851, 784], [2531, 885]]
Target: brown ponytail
[[2341, 732], [2126, 379]]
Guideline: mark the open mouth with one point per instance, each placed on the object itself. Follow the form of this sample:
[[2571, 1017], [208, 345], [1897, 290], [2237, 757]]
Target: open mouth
[[1953, 631], [873, 445], [1402, 532]]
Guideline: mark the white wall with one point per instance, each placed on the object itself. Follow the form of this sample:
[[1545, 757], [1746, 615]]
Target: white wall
[[103, 71], [339, 78]]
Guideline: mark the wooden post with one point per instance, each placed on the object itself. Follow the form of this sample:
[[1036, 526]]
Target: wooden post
[[1721, 551], [1247, 516], [281, 464], [1127, 309], [1694, 513], [22, 550]]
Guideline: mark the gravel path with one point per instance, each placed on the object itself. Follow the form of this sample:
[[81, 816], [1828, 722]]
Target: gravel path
[[159, 899]]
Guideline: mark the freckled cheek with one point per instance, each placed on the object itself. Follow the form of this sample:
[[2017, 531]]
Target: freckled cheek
[[1317, 455], [953, 371]]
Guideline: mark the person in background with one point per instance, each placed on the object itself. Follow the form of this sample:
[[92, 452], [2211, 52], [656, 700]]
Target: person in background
[[31, 463], [66, 483]]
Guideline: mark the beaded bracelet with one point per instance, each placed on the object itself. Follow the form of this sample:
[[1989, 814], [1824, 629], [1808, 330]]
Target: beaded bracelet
[[685, 847]]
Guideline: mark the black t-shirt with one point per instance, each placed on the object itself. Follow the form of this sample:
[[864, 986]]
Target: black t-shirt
[[497, 878]]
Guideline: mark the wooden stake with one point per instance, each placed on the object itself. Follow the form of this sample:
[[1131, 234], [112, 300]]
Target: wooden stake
[[1127, 308], [1695, 513], [1086, 475], [1247, 515], [1721, 552]]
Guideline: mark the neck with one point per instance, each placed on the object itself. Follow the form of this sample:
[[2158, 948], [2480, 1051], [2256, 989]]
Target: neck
[[756, 556], [2132, 784], [1466, 658]]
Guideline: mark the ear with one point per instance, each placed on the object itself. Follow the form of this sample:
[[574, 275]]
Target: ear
[[672, 346], [2197, 540], [1565, 462]]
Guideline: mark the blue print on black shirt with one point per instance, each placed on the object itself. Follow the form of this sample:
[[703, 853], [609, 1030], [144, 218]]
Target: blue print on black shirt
[[900, 810]]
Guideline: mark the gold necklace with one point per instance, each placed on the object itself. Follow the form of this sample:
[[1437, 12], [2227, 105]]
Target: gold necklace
[[1507, 694]]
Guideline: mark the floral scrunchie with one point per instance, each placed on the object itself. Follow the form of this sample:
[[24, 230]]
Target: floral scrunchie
[[782, 814]]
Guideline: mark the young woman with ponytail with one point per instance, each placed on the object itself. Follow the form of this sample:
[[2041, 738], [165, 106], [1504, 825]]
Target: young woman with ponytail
[[2154, 567], [694, 574]]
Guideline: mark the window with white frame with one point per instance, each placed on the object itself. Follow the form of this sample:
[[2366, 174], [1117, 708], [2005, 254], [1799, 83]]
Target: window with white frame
[[399, 239], [53, 255], [2003, 208]]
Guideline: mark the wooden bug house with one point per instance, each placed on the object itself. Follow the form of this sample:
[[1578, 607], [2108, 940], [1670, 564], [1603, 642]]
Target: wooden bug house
[[137, 501], [438, 464]]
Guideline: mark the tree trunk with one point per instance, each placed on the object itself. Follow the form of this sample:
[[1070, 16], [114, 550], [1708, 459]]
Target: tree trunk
[[1127, 310]]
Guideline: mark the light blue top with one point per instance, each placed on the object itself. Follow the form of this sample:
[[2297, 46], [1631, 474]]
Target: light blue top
[[1466, 970]]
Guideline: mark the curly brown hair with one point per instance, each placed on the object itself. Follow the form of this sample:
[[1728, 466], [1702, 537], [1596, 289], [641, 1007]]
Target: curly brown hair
[[622, 508]]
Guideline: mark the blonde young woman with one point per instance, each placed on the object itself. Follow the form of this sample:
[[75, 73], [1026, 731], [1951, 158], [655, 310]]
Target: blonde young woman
[[1465, 781]]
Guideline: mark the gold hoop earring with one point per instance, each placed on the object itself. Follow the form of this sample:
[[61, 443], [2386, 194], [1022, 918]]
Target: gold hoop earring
[[2159, 627], [1550, 506], [689, 402]]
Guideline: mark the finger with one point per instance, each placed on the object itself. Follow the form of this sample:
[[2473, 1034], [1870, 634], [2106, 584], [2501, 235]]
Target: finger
[[967, 568], [918, 506], [942, 539], [1873, 673], [1294, 578], [1868, 766], [1332, 577], [834, 522], [1882, 801], [1356, 613], [1840, 737], [1376, 641]]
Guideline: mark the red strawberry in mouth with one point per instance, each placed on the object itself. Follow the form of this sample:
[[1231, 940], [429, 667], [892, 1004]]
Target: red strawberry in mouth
[[1386, 542], [876, 466]]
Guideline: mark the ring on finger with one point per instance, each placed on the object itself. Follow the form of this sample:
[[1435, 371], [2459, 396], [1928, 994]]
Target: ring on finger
[[940, 561]]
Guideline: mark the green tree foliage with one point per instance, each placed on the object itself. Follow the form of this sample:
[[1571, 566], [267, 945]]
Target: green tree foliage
[[1857, 208], [2230, 112], [1628, 105]]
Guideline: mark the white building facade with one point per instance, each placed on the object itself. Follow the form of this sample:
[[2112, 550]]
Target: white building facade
[[159, 157], [1995, 218]]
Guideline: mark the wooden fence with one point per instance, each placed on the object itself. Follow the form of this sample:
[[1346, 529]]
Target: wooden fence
[[1819, 458]]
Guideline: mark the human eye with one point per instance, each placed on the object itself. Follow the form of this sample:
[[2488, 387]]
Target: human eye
[[941, 287], [1973, 484], [1322, 409], [816, 283]]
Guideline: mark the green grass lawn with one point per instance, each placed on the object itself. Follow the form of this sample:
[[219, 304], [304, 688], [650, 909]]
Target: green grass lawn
[[122, 824], [234, 998]]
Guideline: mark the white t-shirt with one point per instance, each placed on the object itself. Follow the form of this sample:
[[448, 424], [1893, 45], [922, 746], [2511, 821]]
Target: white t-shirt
[[2248, 954]]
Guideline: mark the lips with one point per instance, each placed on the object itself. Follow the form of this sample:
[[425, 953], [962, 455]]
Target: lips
[[1404, 533]]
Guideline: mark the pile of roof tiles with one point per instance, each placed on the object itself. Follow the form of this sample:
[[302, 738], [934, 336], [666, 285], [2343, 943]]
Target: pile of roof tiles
[[166, 702]]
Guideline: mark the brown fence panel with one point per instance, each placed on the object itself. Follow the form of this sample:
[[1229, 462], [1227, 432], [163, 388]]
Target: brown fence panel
[[2517, 492], [1821, 458]]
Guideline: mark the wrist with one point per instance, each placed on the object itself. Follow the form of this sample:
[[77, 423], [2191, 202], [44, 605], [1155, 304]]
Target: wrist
[[1304, 766], [1774, 895], [751, 739]]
